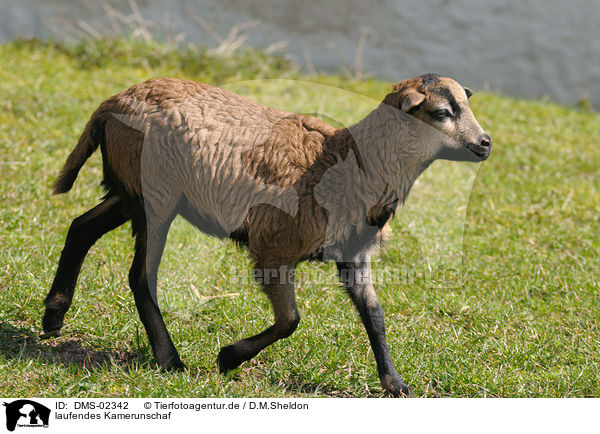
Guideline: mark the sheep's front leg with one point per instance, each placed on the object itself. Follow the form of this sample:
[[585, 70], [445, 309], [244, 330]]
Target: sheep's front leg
[[356, 277], [278, 284]]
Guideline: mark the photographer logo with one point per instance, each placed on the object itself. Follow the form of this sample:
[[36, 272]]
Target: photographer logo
[[25, 413]]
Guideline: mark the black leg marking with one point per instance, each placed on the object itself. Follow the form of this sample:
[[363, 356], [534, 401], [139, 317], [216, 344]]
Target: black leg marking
[[356, 277], [83, 233], [287, 318], [149, 245]]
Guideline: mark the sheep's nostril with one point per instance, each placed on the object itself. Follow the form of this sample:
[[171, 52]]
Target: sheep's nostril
[[486, 141]]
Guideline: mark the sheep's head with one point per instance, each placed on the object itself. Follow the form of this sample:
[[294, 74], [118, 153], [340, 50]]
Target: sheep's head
[[444, 104]]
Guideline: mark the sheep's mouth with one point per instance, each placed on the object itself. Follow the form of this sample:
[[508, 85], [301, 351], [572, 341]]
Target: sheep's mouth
[[482, 152]]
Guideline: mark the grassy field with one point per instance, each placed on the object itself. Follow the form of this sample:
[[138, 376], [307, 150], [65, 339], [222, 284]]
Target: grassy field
[[498, 292]]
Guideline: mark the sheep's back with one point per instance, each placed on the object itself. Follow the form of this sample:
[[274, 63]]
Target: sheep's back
[[223, 152]]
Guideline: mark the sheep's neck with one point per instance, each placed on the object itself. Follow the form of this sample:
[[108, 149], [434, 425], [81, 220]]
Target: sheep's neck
[[388, 154]]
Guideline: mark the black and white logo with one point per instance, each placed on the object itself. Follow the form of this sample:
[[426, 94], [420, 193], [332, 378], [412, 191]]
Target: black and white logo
[[26, 413]]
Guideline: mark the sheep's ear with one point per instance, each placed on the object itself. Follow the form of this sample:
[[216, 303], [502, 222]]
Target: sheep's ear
[[405, 97], [412, 101], [469, 92]]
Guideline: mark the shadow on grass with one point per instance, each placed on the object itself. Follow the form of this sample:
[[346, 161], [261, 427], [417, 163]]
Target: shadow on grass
[[19, 342], [302, 386], [295, 384]]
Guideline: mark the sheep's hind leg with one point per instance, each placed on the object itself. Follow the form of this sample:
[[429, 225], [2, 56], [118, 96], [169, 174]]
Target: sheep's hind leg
[[356, 277], [280, 290], [149, 244], [83, 233]]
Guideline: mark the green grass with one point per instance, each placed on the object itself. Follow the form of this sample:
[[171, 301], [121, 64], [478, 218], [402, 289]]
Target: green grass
[[499, 297]]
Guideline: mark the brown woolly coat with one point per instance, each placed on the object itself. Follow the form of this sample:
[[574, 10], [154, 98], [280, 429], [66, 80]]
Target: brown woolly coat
[[287, 185]]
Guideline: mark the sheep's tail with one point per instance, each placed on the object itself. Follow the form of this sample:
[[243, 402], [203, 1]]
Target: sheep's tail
[[87, 144]]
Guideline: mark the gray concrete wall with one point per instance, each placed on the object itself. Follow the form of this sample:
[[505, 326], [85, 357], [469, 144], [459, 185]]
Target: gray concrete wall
[[528, 48]]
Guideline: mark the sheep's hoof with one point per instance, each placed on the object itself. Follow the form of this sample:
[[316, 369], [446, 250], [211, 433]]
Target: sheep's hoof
[[400, 391], [173, 364], [50, 334], [52, 322], [395, 387], [228, 359], [175, 367]]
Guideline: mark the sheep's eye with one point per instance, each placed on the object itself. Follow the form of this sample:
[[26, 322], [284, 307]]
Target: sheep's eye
[[441, 114]]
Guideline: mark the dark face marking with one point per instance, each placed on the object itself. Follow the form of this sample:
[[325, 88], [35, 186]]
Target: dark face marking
[[447, 95], [428, 79]]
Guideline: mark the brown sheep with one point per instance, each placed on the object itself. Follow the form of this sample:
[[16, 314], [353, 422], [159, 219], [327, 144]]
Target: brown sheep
[[287, 186]]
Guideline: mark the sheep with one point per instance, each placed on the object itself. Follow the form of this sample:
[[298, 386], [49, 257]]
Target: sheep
[[287, 186]]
